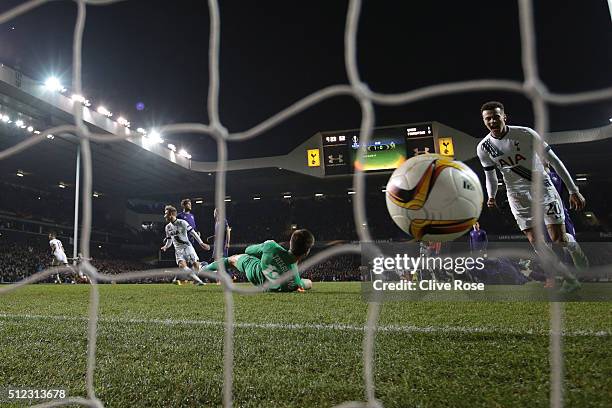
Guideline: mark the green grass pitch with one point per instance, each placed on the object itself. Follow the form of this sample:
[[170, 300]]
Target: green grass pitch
[[161, 346]]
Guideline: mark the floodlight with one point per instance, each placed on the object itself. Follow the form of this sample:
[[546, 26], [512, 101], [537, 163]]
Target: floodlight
[[77, 98], [54, 84], [103, 111], [154, 136], [123, 121]]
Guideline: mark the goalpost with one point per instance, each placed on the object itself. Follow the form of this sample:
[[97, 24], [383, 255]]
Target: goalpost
[[532, 87]]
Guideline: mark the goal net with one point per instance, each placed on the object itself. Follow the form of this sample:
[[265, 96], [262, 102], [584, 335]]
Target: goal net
[[532, 87]]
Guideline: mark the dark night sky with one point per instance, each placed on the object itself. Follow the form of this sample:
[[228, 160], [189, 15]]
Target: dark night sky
[[275, 52]]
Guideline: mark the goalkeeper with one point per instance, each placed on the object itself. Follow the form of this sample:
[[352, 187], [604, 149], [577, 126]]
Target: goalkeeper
[[268, 261]]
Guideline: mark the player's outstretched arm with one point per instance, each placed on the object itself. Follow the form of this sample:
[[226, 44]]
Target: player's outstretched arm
[[167, 243], [196, 236], [491, 185], [490, 175], [255, 250], [576, 199]]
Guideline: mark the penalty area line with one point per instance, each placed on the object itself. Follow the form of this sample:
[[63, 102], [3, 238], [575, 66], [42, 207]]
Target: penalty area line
[[315, 326]]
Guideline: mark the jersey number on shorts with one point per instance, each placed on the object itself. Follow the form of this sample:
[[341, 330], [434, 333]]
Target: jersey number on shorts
[[553, 209]]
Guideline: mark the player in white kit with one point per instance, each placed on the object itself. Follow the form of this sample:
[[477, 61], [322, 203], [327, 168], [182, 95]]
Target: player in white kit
[[57, 250], [512, 150], [177, 234], [58, 253]]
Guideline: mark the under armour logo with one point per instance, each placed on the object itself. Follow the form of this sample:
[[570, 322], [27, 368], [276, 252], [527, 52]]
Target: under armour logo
[[417, 151], [516, 145], [332, 159]]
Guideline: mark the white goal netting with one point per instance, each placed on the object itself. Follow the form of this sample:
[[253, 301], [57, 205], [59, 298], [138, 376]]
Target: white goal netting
[[532, 87]]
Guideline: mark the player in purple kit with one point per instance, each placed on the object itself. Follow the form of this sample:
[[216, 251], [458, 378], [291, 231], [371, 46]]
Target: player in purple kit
[[228, 231], [478, 240], [573, 248], [226, 242], [187, 216]]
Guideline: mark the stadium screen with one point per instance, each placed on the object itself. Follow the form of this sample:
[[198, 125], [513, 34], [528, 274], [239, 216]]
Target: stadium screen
[[388, 148]]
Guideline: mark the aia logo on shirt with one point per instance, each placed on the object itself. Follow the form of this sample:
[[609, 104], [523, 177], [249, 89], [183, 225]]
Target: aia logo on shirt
[[510, 163]]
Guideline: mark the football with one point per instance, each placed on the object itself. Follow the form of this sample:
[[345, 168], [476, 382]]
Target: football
[[434, 198]]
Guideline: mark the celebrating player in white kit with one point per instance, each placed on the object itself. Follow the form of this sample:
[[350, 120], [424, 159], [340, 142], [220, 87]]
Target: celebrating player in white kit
[[177, 234], [57, 250], [512, 150]]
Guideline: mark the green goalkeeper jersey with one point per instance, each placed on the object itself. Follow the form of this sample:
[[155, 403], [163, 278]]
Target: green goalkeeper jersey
[[272, 261]]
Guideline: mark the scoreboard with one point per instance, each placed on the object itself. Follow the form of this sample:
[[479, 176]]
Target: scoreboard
[[387, 149]]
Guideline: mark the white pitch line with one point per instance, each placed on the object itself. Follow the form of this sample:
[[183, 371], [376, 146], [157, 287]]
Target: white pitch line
[[302, 326]]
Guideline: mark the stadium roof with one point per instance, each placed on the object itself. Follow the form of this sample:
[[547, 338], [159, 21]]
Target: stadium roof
[[129, 169], [122, 168]]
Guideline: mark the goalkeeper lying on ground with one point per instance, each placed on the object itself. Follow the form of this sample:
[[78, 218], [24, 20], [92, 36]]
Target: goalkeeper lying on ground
[[268, 261]]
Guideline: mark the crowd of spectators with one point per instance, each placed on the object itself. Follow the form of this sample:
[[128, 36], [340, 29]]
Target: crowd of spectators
[[330, 218], [18, 261], [30, 205], [24, 257], [339, 268], [26, 203]]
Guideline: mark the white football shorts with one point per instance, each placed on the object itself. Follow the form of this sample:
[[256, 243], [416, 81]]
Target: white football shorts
[[60, 258], [521, 203], [187, 254]]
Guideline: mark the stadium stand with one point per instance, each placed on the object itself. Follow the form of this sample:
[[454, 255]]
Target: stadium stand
[[25, 220]]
